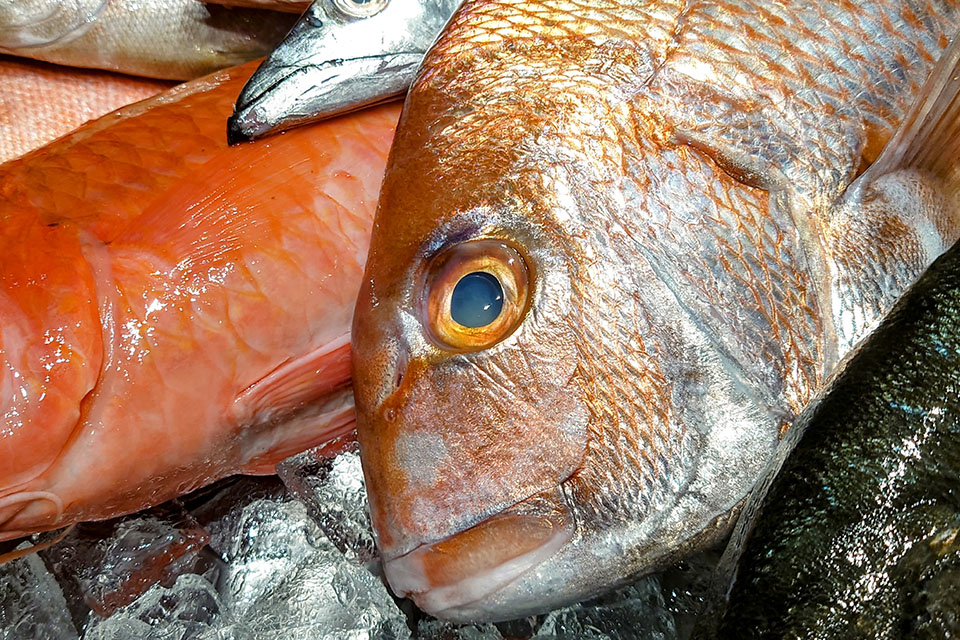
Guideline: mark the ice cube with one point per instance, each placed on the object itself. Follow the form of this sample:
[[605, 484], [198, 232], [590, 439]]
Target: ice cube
[[218, 508], [31, 602], [285, 579], [433, 629], [191, 608], [333, 490], [636, 612], [109, 564], [279, 578]]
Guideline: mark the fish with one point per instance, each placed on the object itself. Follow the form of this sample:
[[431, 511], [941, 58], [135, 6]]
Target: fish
[[164, 39], [290, 6], [856, 531], [41, 102], [172, 310], [340, 56], [619, 246]]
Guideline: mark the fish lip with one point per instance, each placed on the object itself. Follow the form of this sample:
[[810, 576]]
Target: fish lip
[[412, 575]]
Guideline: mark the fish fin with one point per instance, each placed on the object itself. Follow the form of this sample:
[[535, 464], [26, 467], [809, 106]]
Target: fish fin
[[325, 432], [16, 554], [295, 383], [928, 139], [303, 403], [903, 211]]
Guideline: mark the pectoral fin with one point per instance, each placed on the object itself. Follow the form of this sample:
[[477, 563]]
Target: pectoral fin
[[928, 140], [301, 404], [902, 212]]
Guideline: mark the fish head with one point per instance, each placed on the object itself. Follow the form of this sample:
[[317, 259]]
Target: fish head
[[539, 416], [341, 55], [472, 415]]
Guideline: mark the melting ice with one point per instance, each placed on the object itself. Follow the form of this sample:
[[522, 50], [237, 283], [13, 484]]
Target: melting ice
[[254, 558]]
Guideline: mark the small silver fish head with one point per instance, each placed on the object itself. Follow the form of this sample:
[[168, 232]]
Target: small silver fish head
[[341, 55]]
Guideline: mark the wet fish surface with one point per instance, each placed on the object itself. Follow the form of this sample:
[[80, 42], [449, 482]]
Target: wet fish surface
[[291, 6], [166, 39], [341, 55], [858, 536], [173, 310], [40, 102], [619, 247]]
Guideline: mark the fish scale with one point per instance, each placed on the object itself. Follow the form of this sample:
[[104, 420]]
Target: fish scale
[[644, 441], [679, 182], [174, 310]]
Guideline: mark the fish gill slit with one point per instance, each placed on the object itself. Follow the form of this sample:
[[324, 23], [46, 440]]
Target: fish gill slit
[[90, 395]]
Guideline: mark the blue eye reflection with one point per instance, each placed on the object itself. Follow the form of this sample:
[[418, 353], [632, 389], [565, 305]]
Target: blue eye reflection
[[477, 300]]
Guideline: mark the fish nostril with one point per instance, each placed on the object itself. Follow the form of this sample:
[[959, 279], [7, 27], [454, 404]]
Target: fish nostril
[[400, 367]]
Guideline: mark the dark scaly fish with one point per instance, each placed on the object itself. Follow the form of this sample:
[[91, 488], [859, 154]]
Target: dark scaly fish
[[619, 246], [858, 535]]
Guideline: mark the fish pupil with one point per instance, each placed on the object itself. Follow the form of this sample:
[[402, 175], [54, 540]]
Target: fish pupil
[[477, 300]]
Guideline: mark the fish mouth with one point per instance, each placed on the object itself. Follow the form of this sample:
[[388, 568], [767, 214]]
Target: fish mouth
[[328, 66], [281, 96], [453, 577]]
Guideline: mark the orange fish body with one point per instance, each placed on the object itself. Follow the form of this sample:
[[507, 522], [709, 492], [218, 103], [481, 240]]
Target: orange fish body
[[41, 102], [173, 310]]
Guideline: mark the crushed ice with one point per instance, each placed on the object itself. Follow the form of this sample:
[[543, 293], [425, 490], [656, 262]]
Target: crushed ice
[[254, 558]]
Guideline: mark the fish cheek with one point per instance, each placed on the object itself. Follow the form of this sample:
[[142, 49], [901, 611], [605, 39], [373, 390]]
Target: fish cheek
[[470, 435]]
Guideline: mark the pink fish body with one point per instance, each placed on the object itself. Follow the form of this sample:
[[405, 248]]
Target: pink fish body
[[173, 311]]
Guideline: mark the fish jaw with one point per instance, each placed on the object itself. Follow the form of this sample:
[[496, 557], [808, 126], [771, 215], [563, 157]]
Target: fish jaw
[[454, 577], [335, 61]]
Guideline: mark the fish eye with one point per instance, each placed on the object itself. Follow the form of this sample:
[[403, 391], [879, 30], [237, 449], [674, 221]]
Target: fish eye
[[477, 300], [475, 294], [360, 8]]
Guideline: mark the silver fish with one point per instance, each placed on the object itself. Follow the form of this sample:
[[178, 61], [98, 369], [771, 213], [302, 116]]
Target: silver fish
[[342, 55], [620, 245], [167, 39]]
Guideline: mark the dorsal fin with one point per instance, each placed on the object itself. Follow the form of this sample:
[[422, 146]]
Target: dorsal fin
[[928, 139]]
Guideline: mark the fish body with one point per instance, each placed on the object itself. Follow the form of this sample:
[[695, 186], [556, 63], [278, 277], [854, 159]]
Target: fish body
[[41, 102], [681, 220], [858, 535], [341, 55], [166, 39], [290, 6], [173, 310]]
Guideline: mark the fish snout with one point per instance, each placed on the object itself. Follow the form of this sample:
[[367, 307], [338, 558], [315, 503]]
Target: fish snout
[[453, 577], [342, 55]]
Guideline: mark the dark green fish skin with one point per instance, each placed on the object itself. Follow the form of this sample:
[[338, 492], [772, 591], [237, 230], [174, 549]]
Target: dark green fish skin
[[859, 534]]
